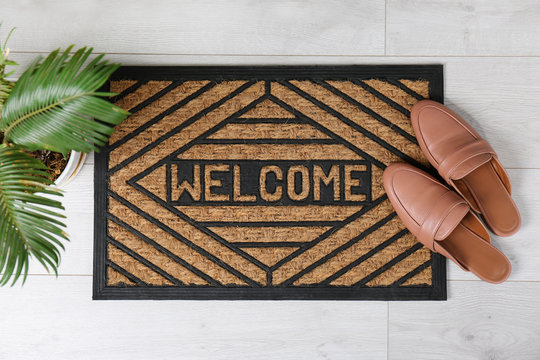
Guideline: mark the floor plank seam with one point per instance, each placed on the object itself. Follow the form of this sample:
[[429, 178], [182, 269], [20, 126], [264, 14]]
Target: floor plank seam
[[387, 330], [293, 55]]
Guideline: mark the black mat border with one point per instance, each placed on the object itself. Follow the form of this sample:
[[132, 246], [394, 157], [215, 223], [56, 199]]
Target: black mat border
[[438, 291]]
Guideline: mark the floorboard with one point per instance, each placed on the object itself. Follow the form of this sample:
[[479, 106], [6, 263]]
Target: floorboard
[[479, 321], [56, 319], [200, 27], [469, 27]]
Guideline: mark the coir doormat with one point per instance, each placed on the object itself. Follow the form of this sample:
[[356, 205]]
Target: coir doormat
[[261, 183]]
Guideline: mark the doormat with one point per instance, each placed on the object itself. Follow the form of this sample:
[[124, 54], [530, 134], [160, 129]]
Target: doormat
[[261, 183]]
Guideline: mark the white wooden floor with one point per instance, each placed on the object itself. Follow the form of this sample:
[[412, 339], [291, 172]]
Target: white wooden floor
[[491, 53]]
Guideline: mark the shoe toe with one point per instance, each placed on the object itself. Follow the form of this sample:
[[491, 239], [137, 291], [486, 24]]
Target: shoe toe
[[411, 191]]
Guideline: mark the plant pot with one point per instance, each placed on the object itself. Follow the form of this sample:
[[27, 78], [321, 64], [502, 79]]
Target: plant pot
[[74, 165]]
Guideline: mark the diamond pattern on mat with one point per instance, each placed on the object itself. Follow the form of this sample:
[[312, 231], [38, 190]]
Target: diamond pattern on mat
[[326, 246]]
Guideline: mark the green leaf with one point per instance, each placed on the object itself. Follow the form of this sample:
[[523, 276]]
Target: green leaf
[[55, 104], [29, 221], [4, 51]]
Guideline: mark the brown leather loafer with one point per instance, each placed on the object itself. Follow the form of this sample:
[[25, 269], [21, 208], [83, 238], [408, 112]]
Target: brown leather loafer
[[468, 163], [442, 221]]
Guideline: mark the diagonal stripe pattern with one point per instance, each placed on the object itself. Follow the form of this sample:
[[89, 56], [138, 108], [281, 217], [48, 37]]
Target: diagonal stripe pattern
[[256, 183]]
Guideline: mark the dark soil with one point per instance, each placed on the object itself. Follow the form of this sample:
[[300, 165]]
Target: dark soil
[[54, 161]]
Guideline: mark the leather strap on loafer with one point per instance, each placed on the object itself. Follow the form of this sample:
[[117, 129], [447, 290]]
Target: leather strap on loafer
[[442, 219], [466, 159]]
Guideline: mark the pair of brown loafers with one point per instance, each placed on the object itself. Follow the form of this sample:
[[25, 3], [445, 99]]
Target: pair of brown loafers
[[446, 221]]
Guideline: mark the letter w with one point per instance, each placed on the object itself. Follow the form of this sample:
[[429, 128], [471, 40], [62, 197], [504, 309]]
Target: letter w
[[194, 190]]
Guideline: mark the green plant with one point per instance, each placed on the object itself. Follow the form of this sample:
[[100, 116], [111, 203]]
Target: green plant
[[54, 105], [5, 85]]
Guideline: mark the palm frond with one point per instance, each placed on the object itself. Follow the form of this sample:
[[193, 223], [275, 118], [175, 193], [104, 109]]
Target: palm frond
[[55, 104], [5, 89], [5, 85], [29, 222]]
